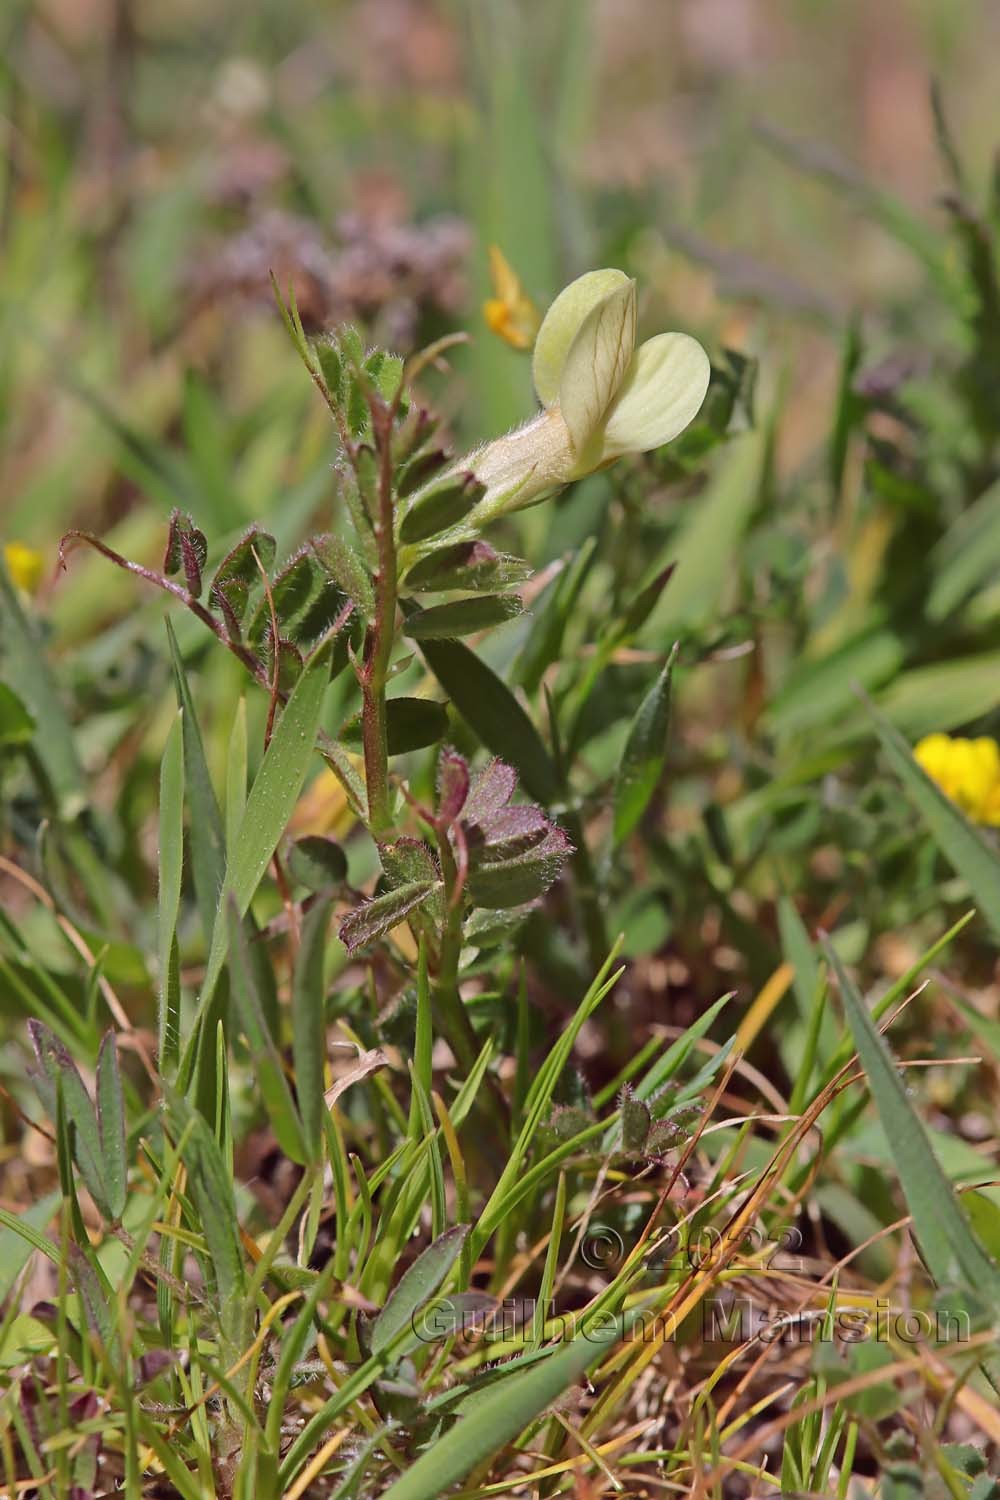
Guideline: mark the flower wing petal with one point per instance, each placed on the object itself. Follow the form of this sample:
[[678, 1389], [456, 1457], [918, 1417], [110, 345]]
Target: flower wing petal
[[661, 394], [597, 362], [561, 324]]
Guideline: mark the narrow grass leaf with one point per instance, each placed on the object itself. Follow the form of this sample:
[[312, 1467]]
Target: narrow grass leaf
[[208, 845], [274, 1089], [309, 1025], [666, 1067], [56, 1069], [806, 986], [949, 1246], [26, 672], [171, 864], [501, 1414], [279, 781], [111, 1126], [493, 713], [210, 1185], [236, 775], [272, 798], [15, 1246]]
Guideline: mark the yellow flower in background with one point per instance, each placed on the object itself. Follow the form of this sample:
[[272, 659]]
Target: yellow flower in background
[[967, 771], [322, 808], [510, 312], [24, 565]]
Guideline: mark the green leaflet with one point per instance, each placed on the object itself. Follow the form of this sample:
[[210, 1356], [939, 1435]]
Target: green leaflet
[[491, 710], [417, 1284], [644, 755], [949, 1246], [462, 616]]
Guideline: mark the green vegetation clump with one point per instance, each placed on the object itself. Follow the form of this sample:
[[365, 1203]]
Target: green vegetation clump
[[499, 897]]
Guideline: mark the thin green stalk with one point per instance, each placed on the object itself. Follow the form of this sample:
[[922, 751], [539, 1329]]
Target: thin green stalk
[[446, 1002], [592, 921], [380, 641]]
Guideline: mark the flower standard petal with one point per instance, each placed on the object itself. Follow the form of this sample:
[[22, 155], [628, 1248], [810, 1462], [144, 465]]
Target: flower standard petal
[[598, 360], [661, 394], [561, 324]]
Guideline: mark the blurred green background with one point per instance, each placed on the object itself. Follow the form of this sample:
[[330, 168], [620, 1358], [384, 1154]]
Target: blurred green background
[[159, 158]]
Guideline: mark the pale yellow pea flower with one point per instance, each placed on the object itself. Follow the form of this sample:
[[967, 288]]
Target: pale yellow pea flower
[[602, 397]]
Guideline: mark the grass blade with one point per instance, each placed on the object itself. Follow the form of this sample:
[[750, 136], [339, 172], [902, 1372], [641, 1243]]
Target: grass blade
[[501, 1414], [949, 1246], [57, 1070], [274, 1089], [308, 1025], [490, 709], [211, 1188], [111, 1126], [26, 671], [171, 865], [272, 797], [208, 846], [236, 775]]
